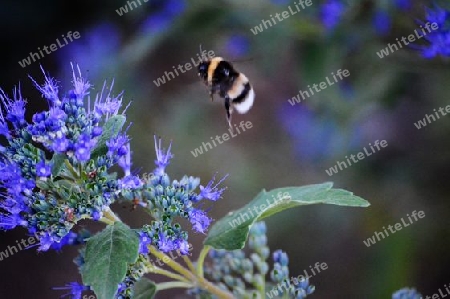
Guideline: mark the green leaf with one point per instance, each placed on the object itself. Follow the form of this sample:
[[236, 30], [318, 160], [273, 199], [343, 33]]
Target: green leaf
[[57, 162], [111, 129], [144, 289], [231, 232], [108, 254]]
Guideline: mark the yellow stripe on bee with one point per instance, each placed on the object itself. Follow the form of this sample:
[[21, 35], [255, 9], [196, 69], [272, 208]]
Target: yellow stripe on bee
[[238, 86], [212, 67]]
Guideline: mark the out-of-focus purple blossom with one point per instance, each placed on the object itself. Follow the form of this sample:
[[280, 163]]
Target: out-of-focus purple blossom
[[381, 22], [402, 4], [331, 13], [439, 39], [314, 138], [96, 49], [237, 45], [163, 15]]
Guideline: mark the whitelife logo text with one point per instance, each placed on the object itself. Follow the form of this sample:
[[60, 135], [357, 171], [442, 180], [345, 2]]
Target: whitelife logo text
[[360, 156], [49, 49], [394, 228]]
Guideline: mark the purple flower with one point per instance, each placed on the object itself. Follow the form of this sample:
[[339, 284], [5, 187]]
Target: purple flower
[[439, 39], [237, 45], [199, 220], [49, 90], [212, 192], [98, 44], [165, 12], [107, 105], [315, 137], [174, 7], [45, 241], [125, 161], [81, 85], [75, 289], [144, 241], [8, 222], [96, 214], [331, 13], [83, 147], [55, 119], [69, 239], [42, 169], [403, 4], [15, 110], [130, 182], [118, 145], [60, 144], [16, 113], [183, 246], [162, 159], [165, 244], [97, 131], [382, 22]]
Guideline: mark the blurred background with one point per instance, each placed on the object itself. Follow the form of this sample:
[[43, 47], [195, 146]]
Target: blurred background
[[288, 145]]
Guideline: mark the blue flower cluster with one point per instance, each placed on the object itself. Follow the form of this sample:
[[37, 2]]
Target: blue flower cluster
[[54, 169], [166, 200], [439, 39], [232, 270], [406, 293], [280, 275]]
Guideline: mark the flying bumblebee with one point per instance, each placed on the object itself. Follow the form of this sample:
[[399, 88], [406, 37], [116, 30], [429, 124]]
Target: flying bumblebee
[[220, 77]]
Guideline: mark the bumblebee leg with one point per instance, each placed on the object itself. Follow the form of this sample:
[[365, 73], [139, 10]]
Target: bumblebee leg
[[211, 94], [227, 108]]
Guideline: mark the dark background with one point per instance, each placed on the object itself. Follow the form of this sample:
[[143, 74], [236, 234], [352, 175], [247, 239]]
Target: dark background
[[288, 145]]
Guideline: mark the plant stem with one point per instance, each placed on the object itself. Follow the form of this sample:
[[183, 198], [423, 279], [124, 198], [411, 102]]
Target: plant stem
[[175, 276], [173, 284], [108, 213], [195, 280], [152, 268], [107, 221], [171, 263], [214, 289], [201, 260], [189, 263]]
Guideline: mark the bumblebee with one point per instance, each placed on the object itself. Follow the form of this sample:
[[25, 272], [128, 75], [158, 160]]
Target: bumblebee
[[220, 77]]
